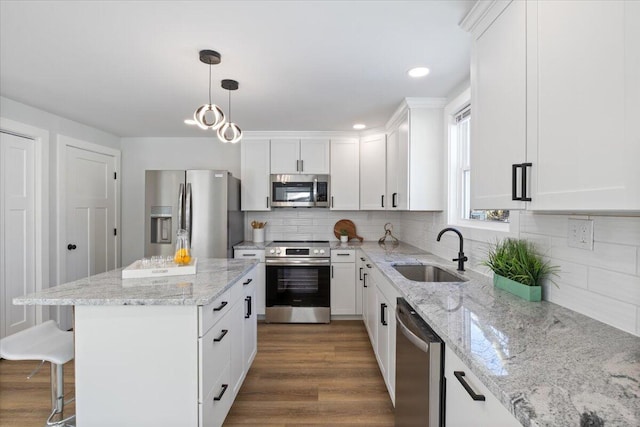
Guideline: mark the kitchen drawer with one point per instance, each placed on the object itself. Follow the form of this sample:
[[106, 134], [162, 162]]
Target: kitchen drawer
[[214, 352], [211, 313], [249, 254], [212, 412], [343, 255]]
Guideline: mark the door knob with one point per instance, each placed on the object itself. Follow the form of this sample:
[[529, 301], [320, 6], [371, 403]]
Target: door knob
[[71, 247]]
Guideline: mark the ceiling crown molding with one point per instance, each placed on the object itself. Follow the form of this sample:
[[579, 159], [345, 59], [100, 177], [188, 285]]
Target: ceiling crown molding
[[482, 14], [412, 103]]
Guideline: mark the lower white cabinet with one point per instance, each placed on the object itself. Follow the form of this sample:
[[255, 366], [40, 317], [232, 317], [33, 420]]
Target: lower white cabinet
[[343, 283], [260, 275], [461, 409], [369, 303]]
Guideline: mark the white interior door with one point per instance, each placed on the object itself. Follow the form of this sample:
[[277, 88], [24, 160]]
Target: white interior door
[[17, 231], [89, 216]]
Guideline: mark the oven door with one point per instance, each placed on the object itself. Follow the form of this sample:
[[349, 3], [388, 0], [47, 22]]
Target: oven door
[[298, 283]]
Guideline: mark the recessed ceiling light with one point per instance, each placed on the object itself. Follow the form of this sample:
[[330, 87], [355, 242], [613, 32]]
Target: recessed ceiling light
[[190, 122], [418, 72], [359, 126]]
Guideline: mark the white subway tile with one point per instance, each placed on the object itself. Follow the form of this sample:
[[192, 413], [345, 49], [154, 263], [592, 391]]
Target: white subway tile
[[622, 287], [605, 255], [570, 273], [550, 225], [299, 221], [621, 230], [610, 311]]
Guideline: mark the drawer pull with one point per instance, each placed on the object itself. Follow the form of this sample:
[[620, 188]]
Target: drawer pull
[[224, 332], [248, 281], [459, 375], [343, 254], [364, 280], [224, 389], [361, 273], [252, 255], [221, 306]]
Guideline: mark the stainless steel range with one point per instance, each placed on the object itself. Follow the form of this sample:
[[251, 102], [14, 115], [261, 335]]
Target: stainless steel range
[[298, 282]]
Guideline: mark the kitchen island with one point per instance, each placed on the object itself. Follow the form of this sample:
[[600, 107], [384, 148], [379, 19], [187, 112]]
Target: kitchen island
[[160, 351]]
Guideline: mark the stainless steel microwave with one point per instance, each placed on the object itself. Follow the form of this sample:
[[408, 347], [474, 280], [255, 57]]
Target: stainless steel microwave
[[299, 191]]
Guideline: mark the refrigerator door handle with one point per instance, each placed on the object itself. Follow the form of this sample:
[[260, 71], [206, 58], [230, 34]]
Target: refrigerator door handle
[[187, 210], [180, 206]]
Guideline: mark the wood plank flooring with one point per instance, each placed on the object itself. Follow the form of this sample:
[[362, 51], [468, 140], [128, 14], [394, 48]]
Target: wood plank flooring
[[303, 375]]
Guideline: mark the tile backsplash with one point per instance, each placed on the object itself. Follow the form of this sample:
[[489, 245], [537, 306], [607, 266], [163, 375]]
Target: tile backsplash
[[603, 283], [317, 224]]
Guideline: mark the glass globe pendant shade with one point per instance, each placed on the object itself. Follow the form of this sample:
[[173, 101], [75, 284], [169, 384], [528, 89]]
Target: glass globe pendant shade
[[200, 116], [229, 132]]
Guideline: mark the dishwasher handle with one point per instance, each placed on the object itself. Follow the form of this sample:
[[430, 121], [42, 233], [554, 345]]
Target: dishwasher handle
[[413, 338]]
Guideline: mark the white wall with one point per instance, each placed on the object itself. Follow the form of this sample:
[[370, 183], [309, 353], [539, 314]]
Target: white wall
[[603, 283], [140, 154]]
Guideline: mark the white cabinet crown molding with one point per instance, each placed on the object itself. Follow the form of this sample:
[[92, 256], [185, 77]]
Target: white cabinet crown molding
[[482, 15], [413, 103]]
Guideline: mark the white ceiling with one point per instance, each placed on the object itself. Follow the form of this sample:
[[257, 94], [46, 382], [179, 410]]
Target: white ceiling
[[132, 68]]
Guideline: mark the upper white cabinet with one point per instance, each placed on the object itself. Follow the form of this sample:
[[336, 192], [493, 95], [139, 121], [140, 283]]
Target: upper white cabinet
[[373, 172], [415, 149], [254, 163], [498, 104], [345, 174], [555, 87], [300, 156]]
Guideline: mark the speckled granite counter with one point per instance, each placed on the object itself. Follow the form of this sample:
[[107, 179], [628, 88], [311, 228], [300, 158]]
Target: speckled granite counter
[[548, 365], [214, 276], [246, 244]]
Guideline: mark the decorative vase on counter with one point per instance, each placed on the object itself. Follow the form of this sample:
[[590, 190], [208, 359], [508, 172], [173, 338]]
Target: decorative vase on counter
[[258, 235], [529, 293]]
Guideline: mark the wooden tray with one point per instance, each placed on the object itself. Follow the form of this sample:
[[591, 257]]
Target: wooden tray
[[346, 224]]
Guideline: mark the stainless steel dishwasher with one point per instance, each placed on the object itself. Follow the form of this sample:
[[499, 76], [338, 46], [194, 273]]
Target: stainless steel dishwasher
[[419, 371]]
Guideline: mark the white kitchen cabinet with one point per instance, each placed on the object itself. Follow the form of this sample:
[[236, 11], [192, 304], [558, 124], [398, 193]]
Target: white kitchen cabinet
[[386, 298], [250, 326], [369, 302], [260, 275], [498, 104], [343, 284], [345, 174], [361, 261], [583, 97], [373, 172], [300, 156], [255, 170], [243, 331], [415, 149], [461, 409]]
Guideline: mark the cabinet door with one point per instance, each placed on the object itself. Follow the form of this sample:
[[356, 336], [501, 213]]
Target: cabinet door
[[314, 156], [401, 200], [461, 409], [285, 156], [382, 343], [584, 141], [255, 175], [250, 327], [498, 96], [360, 270], [393, 140], [343, 288], [236, 339], [345, 174], [371, 306], [372, 172]]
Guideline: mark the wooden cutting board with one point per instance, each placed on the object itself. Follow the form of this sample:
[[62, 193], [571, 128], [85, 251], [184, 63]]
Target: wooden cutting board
[[349, 226]]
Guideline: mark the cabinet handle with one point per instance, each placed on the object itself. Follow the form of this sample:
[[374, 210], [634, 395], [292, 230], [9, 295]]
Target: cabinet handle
[[360, 274], [301, 165], [71, 246], [267, 201], [394, 204], [247, 282], [248, 300], [364, 280], [382, 201], [224, 332], [343, 254], [383, 309], [332, 271], [523, 182], [459, 375], [224, 389], [362, 259], [251, 255], [368, 265], [332, 201], [222, 305]]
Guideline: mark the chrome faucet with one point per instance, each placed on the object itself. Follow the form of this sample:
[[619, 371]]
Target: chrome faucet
[[461, 258]]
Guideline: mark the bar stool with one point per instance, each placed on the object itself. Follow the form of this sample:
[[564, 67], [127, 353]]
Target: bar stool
[[47, 343]]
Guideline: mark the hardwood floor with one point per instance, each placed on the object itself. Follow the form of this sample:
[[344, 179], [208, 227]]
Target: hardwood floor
[[310, 375], [313, 375]]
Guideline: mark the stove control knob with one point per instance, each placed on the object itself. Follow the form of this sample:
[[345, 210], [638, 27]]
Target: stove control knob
[[322, 251], [272, 251], [315, 251], [278, 251]]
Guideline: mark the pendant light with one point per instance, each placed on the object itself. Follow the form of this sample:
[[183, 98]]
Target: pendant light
[[210, 57], [229, 132]]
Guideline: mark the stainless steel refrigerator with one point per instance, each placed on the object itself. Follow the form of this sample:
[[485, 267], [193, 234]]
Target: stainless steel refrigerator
[[206, 203]]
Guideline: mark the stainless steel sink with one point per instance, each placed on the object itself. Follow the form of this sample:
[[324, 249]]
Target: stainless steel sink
[[427, 273]]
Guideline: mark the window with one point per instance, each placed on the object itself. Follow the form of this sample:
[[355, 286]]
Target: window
[[460, 206]]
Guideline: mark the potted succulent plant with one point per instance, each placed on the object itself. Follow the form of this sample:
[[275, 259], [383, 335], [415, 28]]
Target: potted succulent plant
[[344, 235], [519, 268]]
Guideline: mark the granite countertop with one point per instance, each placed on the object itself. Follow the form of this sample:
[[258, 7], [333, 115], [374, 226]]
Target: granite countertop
[[246, 244], [548, 365], [214, 276]]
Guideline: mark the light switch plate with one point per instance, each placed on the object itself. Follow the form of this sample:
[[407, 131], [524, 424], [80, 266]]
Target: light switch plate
[[581, 233]]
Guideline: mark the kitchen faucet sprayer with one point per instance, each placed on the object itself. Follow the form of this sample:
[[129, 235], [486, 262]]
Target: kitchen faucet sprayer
[[461, 258]]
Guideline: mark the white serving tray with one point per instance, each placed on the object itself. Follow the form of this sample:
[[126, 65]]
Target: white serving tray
[[136, 271]]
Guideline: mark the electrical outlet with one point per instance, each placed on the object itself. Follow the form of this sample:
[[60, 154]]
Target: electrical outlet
[[581, 233]]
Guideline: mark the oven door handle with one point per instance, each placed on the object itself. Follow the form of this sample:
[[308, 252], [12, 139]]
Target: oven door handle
[[301, 262]]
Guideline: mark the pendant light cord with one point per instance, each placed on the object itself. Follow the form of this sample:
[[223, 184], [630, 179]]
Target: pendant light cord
[[209, 84], [229, 106]]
